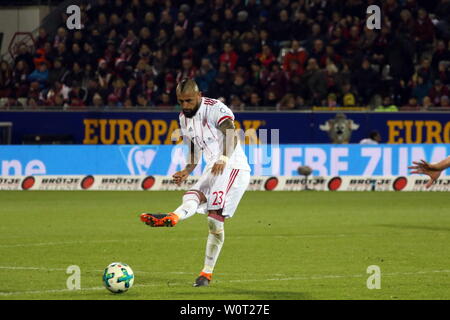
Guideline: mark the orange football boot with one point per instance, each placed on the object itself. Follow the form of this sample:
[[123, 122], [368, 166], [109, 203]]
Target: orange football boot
[[203, 279], [159, 219]]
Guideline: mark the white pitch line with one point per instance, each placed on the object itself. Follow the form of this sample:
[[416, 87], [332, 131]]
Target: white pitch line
[[62, 269], [42, 244], [318, 277], [39, 244]]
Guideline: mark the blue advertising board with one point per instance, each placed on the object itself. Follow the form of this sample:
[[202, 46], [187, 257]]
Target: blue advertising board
[[106, 128], [265, 160]]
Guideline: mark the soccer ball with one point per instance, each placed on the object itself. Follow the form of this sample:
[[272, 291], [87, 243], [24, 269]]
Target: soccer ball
[[118, 277]]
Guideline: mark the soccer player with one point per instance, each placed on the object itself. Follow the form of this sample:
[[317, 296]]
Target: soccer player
[[433, 170], [207, 126]]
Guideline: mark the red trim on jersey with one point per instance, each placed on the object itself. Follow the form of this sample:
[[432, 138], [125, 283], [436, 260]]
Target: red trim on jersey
[[236, 171], [223, 118]]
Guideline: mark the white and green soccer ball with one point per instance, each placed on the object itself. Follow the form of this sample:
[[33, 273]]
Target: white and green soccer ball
[[118, 277]]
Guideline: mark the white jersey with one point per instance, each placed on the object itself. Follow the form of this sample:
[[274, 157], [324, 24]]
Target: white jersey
[[203, 131], [368, 141]]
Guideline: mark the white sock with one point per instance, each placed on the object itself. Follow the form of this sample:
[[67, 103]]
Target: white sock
[[214, 244], [189, 206]]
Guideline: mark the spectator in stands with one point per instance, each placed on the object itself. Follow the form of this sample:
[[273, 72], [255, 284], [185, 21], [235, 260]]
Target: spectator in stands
[[332, 101], [205, 75], [188, 70], [366, 82], [316, 34], [437, 91], [266, 57], [387, 105], [420, 88], [58, 72], [61, 37], [427, 103], [20, 78], [97, 101], [229, 56], [423, 31], [199, 43], [287, 102], [142, 101], [103, 74], [316, 83], [165, 101], [300, 28], [444, 103], [236, 103], [42, 38], [114, 102], [443, 72], [412, 105], [58, 88], [246, 56], [443, 17], [76, 74], [271, 99], [6, 79], [297, 54], [39, 57], [440, 54], [151, 91], [58, 101], [255, 100], [275, 79], [349, 97], [40, 75], [25, 56], [424, 70], [131, 91], [62, 54], [281, 28]]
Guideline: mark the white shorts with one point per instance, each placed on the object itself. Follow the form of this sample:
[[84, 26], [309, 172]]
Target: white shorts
[[222, 192]]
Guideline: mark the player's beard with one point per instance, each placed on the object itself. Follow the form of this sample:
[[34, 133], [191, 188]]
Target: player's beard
[[190, 113]]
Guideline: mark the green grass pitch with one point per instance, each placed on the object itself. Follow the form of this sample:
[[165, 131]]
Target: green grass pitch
[[279, 245]]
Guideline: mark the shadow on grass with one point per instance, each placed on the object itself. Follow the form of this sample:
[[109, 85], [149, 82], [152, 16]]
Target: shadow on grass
[[414, 227], [232, 293]]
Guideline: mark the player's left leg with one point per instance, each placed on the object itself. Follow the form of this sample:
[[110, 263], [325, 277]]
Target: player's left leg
[[220, 208]]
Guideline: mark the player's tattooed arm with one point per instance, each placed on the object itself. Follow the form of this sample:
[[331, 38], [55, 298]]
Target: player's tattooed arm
[[229, 144], [229, 137]]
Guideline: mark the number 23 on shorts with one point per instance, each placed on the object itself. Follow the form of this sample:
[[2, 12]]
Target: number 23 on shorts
[[218, 198]]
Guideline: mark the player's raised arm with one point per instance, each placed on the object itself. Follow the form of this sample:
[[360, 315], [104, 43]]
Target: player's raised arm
[[433, 170]]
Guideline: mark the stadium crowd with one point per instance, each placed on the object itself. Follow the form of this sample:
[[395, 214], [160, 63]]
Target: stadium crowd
[[281, 54]]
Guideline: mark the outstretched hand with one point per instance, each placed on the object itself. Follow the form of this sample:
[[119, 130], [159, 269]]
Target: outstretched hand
[[180, 176], [423, 167]]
